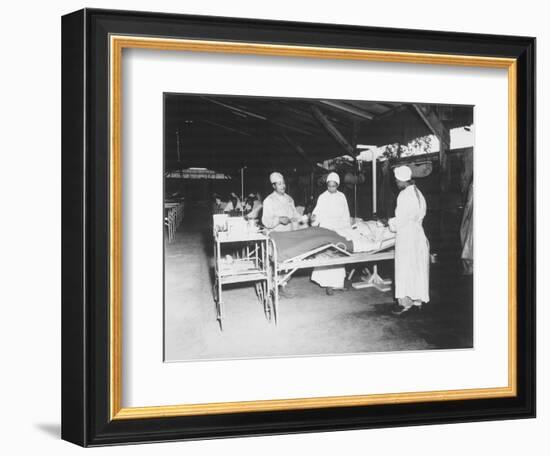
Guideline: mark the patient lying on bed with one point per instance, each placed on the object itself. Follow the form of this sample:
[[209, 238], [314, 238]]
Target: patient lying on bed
[[368, 236]]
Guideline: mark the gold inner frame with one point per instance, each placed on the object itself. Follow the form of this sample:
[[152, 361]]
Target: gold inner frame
[[117, 44]]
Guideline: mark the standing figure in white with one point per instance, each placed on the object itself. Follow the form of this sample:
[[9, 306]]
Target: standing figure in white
[[331, 212], [412, 249]]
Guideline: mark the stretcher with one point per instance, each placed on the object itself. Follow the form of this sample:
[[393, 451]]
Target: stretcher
[[330, 254]]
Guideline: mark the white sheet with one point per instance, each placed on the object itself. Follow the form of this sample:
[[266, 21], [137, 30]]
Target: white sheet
[[368, 236]]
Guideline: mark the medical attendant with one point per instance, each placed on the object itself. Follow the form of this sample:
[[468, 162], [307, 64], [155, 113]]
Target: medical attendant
[[331, 212], [412, 250], [253, 206], [279, 212], [467, 233], [234, 203]]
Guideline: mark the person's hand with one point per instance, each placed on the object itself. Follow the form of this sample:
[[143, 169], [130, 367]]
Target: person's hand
[[284, 220], [391, 225], [313, 218]]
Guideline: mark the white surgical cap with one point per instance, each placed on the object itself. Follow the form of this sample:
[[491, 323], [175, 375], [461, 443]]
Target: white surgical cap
[[275, 177], [402, 173], [334, 178]]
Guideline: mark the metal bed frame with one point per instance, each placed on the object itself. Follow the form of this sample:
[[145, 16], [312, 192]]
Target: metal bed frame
[[282, 271]]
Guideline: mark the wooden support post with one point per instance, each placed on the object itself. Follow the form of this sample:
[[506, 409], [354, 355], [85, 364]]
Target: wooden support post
[[436, 126], [444, 148]]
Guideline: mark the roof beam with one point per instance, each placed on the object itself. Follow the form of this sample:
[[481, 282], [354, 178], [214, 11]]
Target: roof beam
[[297, 148], [332, 130], [240, 111], [347, 108], [234, 108], [291, 127], [225, 127], [433, 123]]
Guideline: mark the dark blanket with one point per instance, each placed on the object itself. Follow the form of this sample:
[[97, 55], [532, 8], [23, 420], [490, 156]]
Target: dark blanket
[[293, 243]]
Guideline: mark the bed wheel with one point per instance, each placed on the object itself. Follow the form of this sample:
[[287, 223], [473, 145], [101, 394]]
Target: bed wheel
[[215, 292]]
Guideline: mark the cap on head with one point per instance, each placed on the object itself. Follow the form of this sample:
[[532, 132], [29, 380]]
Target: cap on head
[[402, 173], [334, 178], [276, 177]]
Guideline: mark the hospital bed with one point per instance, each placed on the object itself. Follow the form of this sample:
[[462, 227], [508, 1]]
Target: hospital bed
[[173, 216], [292, 251]]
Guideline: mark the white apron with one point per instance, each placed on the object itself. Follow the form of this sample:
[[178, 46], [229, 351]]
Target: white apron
[[412, 250], [332, 212]]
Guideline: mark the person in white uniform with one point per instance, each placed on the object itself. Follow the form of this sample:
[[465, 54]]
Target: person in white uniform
[[412, 249], [467, 233], [280, 214], [253, 206], [234, 203], [279, 211], [331, 212]]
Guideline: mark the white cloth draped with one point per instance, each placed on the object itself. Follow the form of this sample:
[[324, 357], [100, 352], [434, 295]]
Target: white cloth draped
[[231, 207], [412, 250], [254, 210], [368, 235]]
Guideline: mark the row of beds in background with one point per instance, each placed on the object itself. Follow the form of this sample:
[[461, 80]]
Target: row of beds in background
[[173, 216], [269, 259]]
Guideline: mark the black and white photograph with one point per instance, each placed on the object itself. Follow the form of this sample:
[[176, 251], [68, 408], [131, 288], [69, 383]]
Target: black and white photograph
[[314, 227]]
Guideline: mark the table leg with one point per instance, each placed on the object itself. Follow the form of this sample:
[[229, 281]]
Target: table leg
[[218, 286]]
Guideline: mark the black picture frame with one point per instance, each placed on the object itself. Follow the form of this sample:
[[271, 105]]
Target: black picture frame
[[86, 414]]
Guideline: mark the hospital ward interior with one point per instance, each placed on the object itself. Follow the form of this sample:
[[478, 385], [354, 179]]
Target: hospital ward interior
[[303, 227]]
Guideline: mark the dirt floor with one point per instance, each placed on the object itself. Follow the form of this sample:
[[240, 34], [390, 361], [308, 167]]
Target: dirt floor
[[310, 323]]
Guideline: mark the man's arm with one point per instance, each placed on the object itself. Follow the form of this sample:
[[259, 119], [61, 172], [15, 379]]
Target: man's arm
[[345, 211], [396, 222], [315, 219], [295, 214]]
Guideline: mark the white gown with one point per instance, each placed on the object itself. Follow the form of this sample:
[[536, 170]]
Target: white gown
[[276, 206], [332, 212], [412, 250]]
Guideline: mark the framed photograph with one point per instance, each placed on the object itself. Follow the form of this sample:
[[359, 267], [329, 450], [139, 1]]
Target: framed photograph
[[268, 227]]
